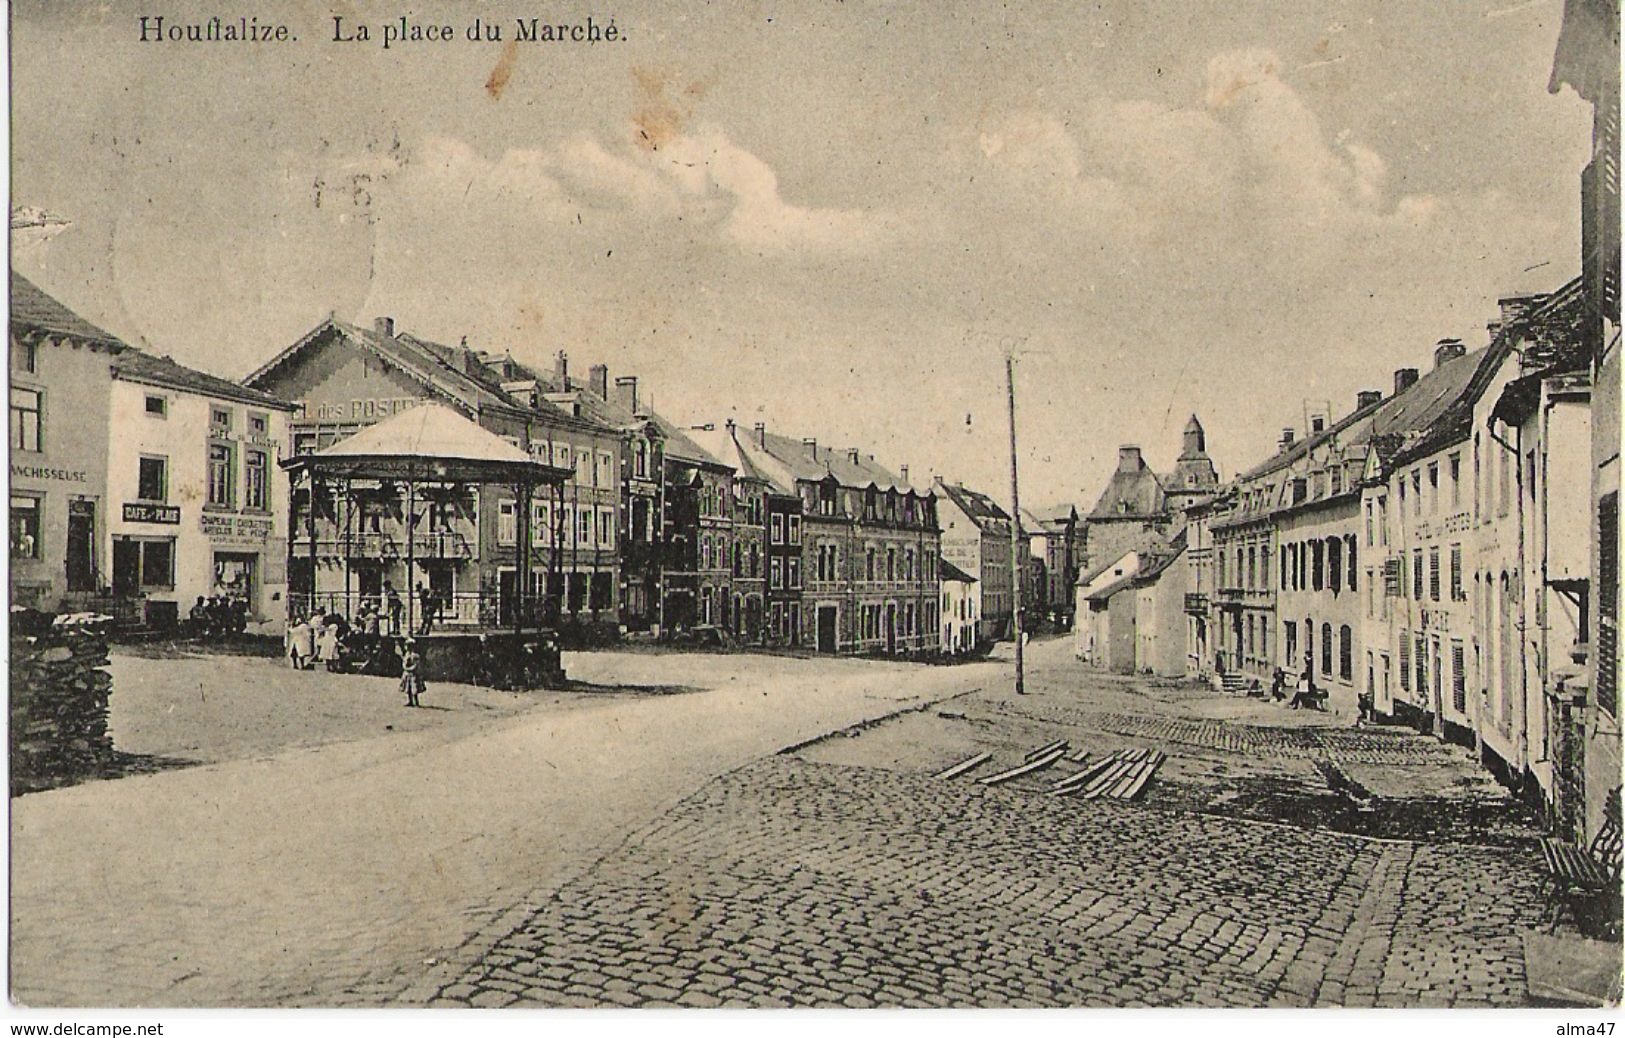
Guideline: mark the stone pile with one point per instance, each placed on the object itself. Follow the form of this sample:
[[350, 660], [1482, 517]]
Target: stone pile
[[59, 691]]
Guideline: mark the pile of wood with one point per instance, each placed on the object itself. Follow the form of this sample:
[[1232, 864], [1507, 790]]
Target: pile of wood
[[59, 693], [1120, 775]]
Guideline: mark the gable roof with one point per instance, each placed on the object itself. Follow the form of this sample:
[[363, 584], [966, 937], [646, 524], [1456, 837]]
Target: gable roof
[[982, 510], [32, 308], [681, 446], [723, 444], [135, 366]]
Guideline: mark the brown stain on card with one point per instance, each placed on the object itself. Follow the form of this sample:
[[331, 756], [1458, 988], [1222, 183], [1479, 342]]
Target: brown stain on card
[[664, 106], [498, 80]]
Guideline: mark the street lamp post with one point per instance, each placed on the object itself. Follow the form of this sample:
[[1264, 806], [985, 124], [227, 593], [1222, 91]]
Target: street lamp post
[[1015, 527]]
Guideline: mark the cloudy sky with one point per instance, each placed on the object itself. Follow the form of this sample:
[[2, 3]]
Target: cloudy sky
[[816, 214]]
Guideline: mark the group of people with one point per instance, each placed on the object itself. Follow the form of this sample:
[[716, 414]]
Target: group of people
[[1305, 696], [217, 616], [331, 642]]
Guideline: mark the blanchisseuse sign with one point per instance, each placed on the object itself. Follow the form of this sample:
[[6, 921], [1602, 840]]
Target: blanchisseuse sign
[[169, 515]]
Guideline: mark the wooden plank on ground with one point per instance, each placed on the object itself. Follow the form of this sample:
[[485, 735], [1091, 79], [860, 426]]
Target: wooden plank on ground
[[1107, 779], [1134, 790], [1058, 744], [964, 766], [1025, 768], [1128, 778], [1077, 780]]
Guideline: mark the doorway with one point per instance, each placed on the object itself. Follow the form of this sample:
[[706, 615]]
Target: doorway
[[81, 545], [891, 628], [826, 628]]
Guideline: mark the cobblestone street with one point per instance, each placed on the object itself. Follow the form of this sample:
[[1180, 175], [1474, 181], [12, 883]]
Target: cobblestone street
[[844, 874]]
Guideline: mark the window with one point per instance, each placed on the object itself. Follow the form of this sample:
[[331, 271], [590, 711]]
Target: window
[[794, 565], [1455, 480], [584, 526], [1416, 492], [871, 564], [1353, 561], [1291, 627], [1433, 488], [606, 469], [1419, 657], [255, 474], [152, 479], [775, 571], [507, 522], [1433, 574], [156, 563], [258, 424], [221, 483], [25, 419], [1416, 574], [541, 529], [1458, 593], [776, 529], [26, 356], [794, 523], [25, 527], [1326, 649], [1458, 677], [219, 420], [1345, 653], [640, 460], [1334, 552], [1405, 660], [606, 527], [157, 406], [1608, 603]]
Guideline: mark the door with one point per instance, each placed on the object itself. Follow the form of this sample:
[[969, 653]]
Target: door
[[826, 628], [891, 627], [81, 545], [507, 586], [126, 567]]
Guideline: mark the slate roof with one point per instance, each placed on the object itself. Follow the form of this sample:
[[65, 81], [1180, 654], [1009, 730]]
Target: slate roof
[[1139, 489], [982, 510], [680, 445], [32, 308], [948, 571], [135, 366], [723, 444], [796, 462]]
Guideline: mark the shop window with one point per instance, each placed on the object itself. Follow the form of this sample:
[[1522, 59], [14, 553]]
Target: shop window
[[25, 419], [25, 527]]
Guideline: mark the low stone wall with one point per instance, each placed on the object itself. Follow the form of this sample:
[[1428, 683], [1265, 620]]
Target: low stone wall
[[59, 691]]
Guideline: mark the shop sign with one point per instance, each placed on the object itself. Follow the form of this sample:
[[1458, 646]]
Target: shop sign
[[141, 512], [235, 529]]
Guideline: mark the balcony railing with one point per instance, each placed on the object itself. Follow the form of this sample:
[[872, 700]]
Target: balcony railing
[[1196, 603], [463, 609], [1240, 596]]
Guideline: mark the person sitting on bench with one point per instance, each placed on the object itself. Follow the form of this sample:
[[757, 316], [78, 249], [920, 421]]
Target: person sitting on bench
[[1307, 695]]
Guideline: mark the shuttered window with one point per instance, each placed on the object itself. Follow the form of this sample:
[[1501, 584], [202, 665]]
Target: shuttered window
[[1608, 604]]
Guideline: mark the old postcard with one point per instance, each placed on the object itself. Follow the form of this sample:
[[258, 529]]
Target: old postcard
[[815, 504]]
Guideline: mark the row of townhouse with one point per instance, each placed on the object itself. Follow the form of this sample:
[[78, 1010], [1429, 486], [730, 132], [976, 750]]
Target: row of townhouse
[[660, 528], [1427, 553], [138, 485], [1450, 553]]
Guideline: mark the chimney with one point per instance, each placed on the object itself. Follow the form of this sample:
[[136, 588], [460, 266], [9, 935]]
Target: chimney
[[561, 370], [852, 455], [761, 435], [902, 473], [1128, 458], [1516, 308], [1446, 351], [598, 377], [384, 327], [626, 393], [811, 445], [1367, 398], [1494, 328], [1288, 437], [1404, 379]]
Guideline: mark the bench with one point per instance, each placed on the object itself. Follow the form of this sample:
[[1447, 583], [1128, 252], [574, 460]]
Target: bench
[[1577, 874]]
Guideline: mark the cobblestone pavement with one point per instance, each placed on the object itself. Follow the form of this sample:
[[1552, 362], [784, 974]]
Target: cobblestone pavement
[[331, 874], [790, 882], [843, 874]]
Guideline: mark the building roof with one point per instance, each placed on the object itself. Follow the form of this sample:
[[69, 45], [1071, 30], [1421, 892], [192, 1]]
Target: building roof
[[135, 366], [723, 444], [1133, 492], [682, 446], [1104, 593], [32, 308], [947, 571], [850, 468], [982, 510]]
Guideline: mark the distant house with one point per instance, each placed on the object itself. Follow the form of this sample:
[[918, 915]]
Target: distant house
[[1092, 637], [1159, 613], [976, 538], [961, 607]]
